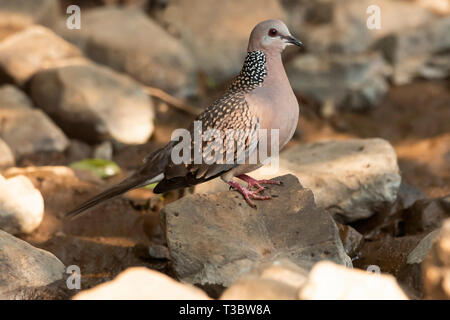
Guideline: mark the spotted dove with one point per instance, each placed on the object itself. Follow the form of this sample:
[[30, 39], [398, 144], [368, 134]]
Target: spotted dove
[[260, 97]]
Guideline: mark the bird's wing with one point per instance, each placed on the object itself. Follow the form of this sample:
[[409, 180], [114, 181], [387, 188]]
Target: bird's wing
[[229, 134]]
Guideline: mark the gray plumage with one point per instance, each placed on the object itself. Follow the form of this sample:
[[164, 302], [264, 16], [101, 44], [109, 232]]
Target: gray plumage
[[260, 97]]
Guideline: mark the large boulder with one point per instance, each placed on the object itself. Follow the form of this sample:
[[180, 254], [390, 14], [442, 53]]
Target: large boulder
[[218, 43], [21, 205], [349, 81], [25, 129], [227, 237], [142, 284], [35, 48], [22, 265], [328, 281], [349, 178], [137, 45], [94, 103]]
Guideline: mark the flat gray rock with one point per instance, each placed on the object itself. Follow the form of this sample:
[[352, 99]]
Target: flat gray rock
[[214, 239], [25, 129], [22, 265]]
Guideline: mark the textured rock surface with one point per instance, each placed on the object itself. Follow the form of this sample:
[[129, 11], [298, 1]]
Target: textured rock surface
[[328, 281], [21, 264], [425, 215], [128, 47], [6, 155], [227, 237], [349, 81], [350, 178], [220, 47], [436, 266], [21, 205], [94, 103], [25, 129], [142, 284], [36, 48], [279, 279]]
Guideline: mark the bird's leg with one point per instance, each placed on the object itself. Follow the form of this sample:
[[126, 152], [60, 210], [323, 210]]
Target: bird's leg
[[248, 194], [257, 183]]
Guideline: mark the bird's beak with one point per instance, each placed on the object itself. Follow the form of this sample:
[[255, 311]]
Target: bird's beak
[[292, 40]]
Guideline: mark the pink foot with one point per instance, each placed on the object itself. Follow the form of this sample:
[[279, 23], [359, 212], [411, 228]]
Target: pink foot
[[248, 194], [256, 183]]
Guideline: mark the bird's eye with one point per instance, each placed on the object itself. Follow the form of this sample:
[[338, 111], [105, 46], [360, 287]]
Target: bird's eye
[[273, 32]]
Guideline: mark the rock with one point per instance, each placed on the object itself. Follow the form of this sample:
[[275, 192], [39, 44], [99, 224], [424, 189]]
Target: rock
[[35, 48], [220, 47], [6, 156], [410, 50], [410, 276], [140, 283], [279, 279], [436, 266], [25, 129], [94, 103], [350, 81], [340, 26], [19, 14], [21, 264], [21, 205], [351, 239], [350, 178], [424, 216], [328, 281], [227, 237], [128, 47]]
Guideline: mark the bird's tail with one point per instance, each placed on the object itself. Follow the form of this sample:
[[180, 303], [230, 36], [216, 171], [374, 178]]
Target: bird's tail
[[129, 183]]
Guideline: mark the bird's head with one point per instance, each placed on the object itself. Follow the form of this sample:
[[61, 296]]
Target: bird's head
[[271, 36]]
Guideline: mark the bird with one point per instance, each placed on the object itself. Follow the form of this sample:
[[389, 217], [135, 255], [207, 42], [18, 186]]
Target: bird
[[259, 98]]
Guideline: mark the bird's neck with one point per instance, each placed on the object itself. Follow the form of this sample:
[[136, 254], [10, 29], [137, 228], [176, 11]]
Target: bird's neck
[[260, 68]]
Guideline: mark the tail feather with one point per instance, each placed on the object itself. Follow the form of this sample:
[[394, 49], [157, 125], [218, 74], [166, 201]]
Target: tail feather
[[124, 186]]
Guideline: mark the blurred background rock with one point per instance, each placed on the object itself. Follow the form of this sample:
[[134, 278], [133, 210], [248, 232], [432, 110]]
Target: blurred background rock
[[138, 69]]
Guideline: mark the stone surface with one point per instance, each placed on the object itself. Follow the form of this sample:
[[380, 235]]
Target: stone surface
[[351, 239], [137, 46], [21, 264], [142, 284], [94, 103], [350, 178], [340, 26], [219, 47], [21, 205], [349, 81], [425, 215], [18, 14], [436, 266], [328, 281], [227, 237], [279, 279], [410, 50], [35, 48], [6, 155], [25, 129]]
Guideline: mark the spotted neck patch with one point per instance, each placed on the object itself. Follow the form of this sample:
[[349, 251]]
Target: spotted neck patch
[[252, 73]]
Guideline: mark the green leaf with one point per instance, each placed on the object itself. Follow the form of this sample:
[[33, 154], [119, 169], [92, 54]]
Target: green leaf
[[100, 167]]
